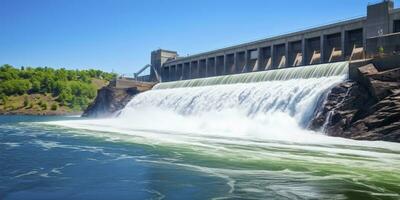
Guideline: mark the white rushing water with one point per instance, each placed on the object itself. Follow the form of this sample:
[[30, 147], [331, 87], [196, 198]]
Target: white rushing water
[[312, 71], [277, 108]]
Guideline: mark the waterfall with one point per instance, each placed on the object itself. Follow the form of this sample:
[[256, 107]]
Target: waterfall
[[267, 105], [292, 92], [305, 72]]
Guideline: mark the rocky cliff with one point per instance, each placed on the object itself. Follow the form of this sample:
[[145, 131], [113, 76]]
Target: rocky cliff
[[115, 96], [109, 100], [365, 109]]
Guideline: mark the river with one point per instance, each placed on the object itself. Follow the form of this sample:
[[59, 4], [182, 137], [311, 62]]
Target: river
[[229, 141]]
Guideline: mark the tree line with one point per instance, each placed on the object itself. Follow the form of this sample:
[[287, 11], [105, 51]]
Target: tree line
[[71, 88]]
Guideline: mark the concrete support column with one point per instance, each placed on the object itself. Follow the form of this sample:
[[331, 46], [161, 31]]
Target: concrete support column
[[171, 73], [224, 71], [343, 44], [234, 62], [273, 56], [190, 70], [176, 73], [183, 70], [322, 48], [287, 54], [207, 74], [215, 66], [303, 51], [167, 74], [364, 39], [259, 57], [246, 60]]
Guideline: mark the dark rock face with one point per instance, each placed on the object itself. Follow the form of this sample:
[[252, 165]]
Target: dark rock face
[[109, 100], [364, 110]]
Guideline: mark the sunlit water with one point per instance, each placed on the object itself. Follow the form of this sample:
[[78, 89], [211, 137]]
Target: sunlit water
[[233, 141]]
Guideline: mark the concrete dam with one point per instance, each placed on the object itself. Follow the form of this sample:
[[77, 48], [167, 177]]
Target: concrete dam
[[330, 86], [350, 40]]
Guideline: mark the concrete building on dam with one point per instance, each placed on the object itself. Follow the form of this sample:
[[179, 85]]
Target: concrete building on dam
[[353, 39]]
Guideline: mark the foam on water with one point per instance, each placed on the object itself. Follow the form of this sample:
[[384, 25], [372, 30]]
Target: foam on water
[[277, 109]]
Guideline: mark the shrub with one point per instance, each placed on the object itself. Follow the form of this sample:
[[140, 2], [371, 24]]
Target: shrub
[[26, 101], [15, 87], [3, 99], [44, 106], [54, 107]]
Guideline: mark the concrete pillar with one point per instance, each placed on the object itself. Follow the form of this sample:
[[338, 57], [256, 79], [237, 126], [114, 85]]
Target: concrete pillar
[[182, 71], [272, 57], [224, 64], [188, 70], [303, 51], [322, 48], [246, 61], [287, 54], [179, 71], [364, 38], [207, 74], [225, 71], [259, 57], [166, 77], [343, 44], [234, 62], [191, 70], [171, 75], [215, 66]]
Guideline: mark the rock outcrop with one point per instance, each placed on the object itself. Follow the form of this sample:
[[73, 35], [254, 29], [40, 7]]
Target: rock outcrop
[[366, 109], [109, 100]]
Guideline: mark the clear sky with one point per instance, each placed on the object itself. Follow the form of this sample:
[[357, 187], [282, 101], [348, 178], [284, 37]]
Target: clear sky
[[120, 34]]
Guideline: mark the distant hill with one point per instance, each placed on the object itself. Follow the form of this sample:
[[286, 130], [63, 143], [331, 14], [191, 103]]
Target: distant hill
[[48, 91]]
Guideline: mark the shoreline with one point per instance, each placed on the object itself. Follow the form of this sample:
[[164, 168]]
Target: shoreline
[[54, 113]]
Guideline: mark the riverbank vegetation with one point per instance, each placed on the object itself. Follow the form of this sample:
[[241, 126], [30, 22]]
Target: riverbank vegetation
[[30, 90]]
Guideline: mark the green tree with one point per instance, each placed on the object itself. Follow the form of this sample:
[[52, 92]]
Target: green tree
[[71, 87], [35, 86], [15, 87]]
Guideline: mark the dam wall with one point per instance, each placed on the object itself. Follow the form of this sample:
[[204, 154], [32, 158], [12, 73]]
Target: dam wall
[[341, 41]]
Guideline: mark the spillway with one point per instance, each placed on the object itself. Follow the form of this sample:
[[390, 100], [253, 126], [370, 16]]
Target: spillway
[[263, 103], [312, 71], [293, 93]]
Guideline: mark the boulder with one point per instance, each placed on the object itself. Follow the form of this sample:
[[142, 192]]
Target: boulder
[[367, 109]]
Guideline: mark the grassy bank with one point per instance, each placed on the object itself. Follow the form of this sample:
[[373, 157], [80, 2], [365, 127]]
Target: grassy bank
[[47, 91]]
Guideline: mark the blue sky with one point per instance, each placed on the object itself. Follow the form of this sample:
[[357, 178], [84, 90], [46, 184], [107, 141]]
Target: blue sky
[[119, 35]]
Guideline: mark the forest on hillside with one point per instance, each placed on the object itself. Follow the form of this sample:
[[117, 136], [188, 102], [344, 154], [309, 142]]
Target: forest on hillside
[[70, 88]]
